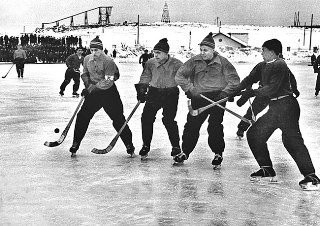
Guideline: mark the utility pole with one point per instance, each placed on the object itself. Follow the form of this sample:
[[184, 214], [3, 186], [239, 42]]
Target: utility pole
[[311, 31], [138, 42], [190, 40]]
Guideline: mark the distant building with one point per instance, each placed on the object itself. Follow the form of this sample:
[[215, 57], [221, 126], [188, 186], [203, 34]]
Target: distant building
[[165, 15], [235, 40]]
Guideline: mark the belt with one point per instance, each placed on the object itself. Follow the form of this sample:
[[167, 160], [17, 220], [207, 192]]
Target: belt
[[280, 97]]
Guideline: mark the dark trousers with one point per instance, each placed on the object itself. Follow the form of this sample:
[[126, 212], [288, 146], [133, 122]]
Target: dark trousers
[[317, 88], [215, 127], [167, 99], [258, 105], [111, 103], [19, 66], [71, 74], [283, 114]]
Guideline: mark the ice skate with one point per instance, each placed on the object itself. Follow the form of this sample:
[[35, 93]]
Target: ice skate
[[130, 150], [75, 94], [144, 152], [61, 93], [74, 148], [216, 162], [310, 183], [180, 158], [240, 134], [175, 151], [266, 174]]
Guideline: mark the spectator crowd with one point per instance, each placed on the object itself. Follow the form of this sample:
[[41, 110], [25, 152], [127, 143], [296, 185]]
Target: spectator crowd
[[39, 48]]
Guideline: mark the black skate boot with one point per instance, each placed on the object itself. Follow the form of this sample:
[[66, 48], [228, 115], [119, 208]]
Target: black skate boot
[[144, 152], [74, 148], [180, 158], [175, 151], [130, 150], [310, 183], [75, 94], [265, 173], [216, 162], [240, 134], [61, 93]]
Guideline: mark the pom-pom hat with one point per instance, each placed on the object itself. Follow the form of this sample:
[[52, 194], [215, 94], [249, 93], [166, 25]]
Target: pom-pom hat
[[208, 41], [96, 43]]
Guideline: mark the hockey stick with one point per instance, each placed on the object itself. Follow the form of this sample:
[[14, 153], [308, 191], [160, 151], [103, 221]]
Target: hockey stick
[[226, 109], [195, 112], [254, 118], [8, 72], [115, 139], [65, 131]]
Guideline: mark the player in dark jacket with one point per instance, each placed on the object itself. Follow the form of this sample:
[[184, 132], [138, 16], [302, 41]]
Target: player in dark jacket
[[283, 114], [73, 63]]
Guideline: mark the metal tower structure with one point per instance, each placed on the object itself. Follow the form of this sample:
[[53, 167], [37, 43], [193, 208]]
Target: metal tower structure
[[103, 17], [165, 15]]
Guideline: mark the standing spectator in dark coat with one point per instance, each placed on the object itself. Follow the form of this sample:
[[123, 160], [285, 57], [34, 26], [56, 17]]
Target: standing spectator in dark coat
[[73, 63], [316, 70], [144, 58]]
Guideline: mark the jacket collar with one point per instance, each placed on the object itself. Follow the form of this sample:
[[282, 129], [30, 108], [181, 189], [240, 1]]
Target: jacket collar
[[216, 58], [166, 64]]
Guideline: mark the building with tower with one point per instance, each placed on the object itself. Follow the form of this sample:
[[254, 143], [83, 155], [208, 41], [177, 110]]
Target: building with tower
[[165, 15]]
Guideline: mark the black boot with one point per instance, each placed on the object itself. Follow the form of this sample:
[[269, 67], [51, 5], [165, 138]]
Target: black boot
[[74, 148], [130, 150], [144, 152]]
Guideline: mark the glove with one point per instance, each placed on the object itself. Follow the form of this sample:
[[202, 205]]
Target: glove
[[84, 93], [221, 95], [245, 95], [142, 91], [296, 93], [192, 93]]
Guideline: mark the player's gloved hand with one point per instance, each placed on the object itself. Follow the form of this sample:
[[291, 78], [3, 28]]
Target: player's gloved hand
[[142, 91], [245, 95], [193, 93], [84, 93], [296, 93]]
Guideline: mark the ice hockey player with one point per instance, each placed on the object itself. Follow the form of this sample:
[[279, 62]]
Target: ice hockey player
[[73, 63], [99, 76], [19, 58], [283, 114], [158, 89], [259, 103], [213, 76]]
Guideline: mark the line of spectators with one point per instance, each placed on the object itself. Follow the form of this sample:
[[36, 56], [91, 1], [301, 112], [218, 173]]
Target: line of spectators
[[40, 49]]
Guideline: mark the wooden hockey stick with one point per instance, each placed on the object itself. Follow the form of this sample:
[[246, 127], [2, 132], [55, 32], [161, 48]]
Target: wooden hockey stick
[[114, 140], [254, 118], [8, 72], [195, 112], [226, 109], [65, 131]]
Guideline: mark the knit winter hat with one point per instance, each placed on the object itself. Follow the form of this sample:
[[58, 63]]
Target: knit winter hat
[[273, 44], [162, 45], [96, 43], [208, 41]]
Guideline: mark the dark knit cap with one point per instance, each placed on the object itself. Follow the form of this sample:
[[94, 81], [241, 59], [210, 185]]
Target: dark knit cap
[[162, 45], [273, 44], [96, 43], [208, 41]]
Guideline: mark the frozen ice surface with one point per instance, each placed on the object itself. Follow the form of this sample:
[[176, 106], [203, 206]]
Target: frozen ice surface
[[44, 186]]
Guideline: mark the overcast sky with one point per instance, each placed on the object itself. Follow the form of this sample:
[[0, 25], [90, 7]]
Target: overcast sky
[[15, 14]]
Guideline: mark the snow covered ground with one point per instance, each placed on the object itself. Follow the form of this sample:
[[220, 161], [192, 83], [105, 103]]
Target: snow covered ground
[[44, 186]]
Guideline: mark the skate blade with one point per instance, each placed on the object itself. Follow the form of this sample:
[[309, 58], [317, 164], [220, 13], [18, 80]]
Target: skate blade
[[175, 163], [216, 167], [272, 180], [132, 155], [310, 187], [144, 157]]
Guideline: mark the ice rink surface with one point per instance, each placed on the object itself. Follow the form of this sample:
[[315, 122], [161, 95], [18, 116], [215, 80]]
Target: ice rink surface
[[44, 186]]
